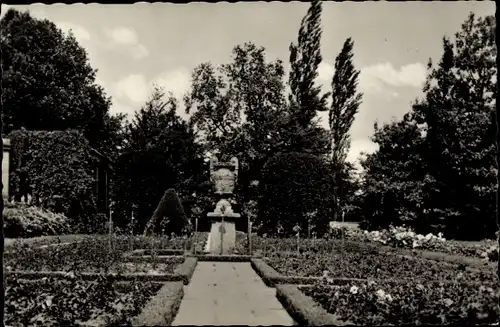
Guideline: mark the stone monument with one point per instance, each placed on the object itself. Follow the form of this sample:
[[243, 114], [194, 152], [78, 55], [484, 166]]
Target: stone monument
[[223, 231]]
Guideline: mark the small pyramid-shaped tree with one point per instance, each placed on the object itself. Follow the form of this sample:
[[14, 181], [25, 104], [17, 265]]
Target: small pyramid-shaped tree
[[169, 211]]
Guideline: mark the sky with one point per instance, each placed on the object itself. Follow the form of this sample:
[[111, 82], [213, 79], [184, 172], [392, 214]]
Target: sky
[[134, 46]]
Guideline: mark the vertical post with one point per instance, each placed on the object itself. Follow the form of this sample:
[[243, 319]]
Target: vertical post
[[195, 234], [110, 230], [222, 236], [249, 236], [298, 242], [342, 237]]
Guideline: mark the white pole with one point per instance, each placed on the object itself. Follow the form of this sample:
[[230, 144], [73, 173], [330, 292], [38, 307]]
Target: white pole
[[222, 236], [110, 230]]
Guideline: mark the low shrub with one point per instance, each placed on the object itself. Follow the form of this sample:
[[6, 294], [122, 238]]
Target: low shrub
[[23, 221]]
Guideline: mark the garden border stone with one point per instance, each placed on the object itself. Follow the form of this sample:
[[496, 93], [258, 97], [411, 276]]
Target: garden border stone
[[304, 309]]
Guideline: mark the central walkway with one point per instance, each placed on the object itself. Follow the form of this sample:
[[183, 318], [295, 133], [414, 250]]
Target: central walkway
[[227, 293]]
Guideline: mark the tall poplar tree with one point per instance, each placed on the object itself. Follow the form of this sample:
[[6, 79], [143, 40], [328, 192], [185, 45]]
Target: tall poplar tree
[[305, 99], [345, 104]]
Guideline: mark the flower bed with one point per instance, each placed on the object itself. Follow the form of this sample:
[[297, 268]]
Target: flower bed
[[365, 265], [90, 254], [401, 237], [408, 302], [54, 302]]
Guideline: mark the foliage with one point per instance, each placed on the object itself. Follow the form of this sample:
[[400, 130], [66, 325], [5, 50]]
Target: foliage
[[435, 170], [365, 262], [292, 186], [90, 253], [393, 177], [21, 220], [238, 109], [345, 104], [408, 302], [53, 302], [160, 153], [169, 216], [57, 169], [458, 111], [305, 99], [48, 83]]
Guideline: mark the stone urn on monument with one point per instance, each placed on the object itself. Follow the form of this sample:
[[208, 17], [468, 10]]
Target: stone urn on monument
[[222, 238]]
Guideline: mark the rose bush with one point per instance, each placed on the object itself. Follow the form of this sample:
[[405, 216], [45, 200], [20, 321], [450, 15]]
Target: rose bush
[[408, 302], [362, 264], [406, 238], [53, 302]]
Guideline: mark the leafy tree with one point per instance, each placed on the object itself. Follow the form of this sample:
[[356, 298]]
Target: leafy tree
[[160, 153], [436, 169], [305, 99], [294, 185], [246, 99], [458, 114], [48, 83], [345, 105], [393, 175], [214, 119]]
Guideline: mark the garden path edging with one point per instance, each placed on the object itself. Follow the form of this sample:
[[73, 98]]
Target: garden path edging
[[303, 309], [162, 307], [23, 274]]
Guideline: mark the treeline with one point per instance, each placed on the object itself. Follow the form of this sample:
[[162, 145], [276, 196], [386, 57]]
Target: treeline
[[434, 170]]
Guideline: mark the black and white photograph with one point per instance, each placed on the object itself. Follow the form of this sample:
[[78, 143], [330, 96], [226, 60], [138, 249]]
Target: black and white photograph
[[250, 163]]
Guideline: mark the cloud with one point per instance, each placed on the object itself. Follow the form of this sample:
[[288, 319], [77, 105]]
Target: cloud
[[176, 81], [118, 107], [124, 37], [325, 73], [381, 77], [132, 91], [358, 146], [81, 33], [134, 87]]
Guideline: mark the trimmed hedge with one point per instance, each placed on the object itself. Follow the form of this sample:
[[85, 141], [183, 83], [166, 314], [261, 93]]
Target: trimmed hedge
[[186, 270], [271, 277], [169, 214], [162, 308], [93, 276], [65, 185], [266, 272], [303, 309], [158, 252], [224, 258], [157, 259]]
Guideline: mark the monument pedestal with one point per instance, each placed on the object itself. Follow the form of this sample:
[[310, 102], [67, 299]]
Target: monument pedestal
[[222, 239], [225, 243]]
